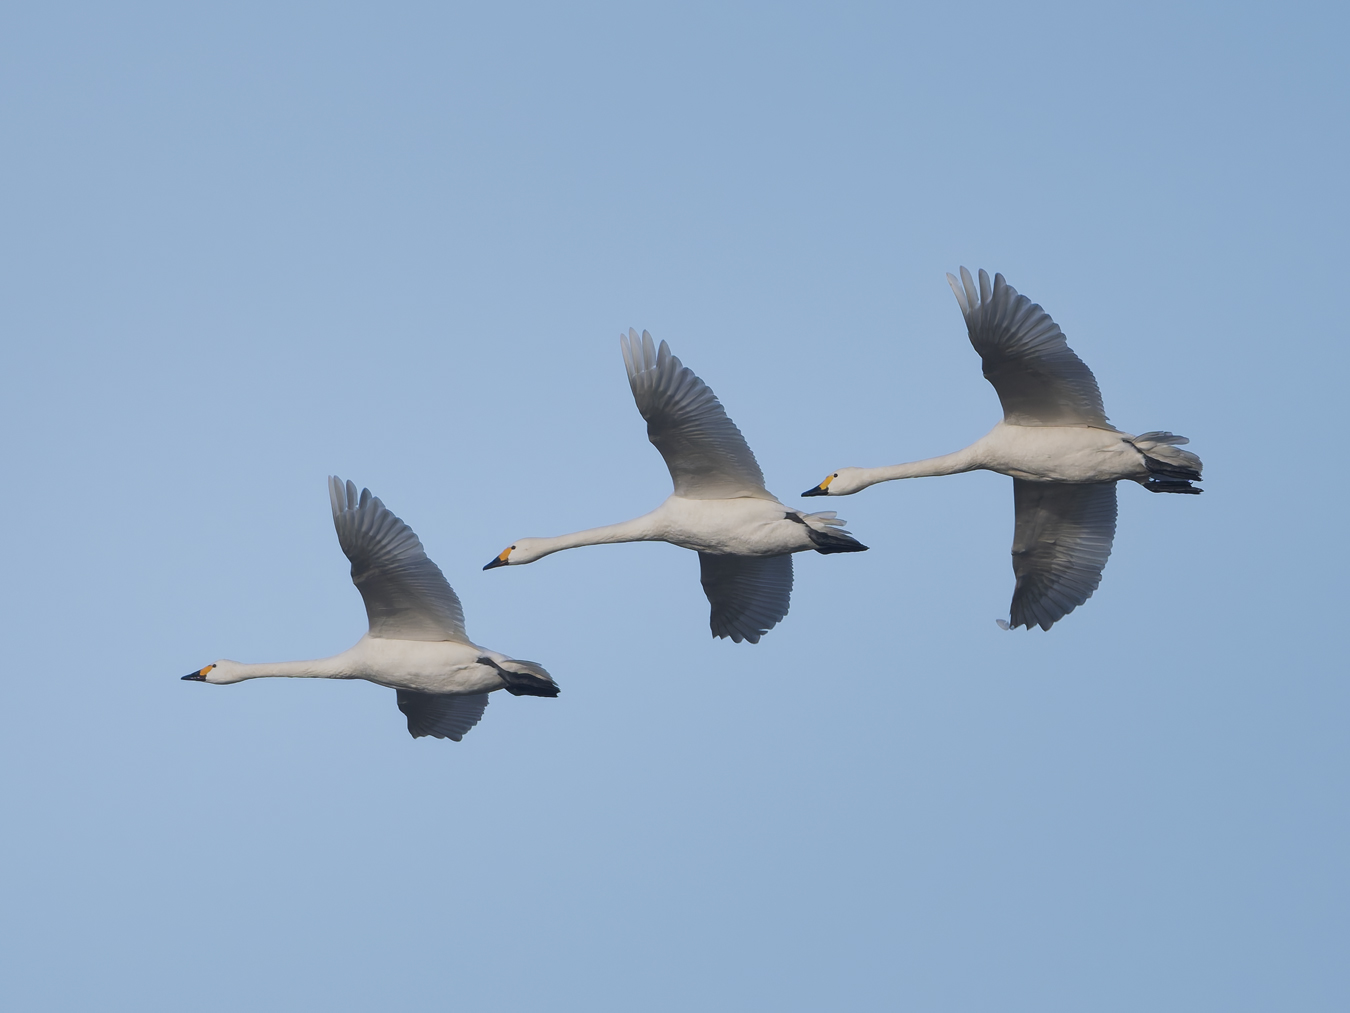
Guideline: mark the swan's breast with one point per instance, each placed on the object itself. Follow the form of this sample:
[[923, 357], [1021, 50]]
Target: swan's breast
[[1061, 454], [742, 527], [432, 666]]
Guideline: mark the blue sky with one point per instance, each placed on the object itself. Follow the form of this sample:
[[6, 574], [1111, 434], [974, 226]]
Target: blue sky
[[245, 247]]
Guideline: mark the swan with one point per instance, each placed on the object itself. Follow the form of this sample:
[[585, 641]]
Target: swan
[[1056, 444], [416, 643], [743, 535]]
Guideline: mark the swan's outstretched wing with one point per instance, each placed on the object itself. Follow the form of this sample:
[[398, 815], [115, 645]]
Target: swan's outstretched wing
[[406, 595], [442, 715], [707, 456], [1060, 545], [1039, 379], [748, 594]]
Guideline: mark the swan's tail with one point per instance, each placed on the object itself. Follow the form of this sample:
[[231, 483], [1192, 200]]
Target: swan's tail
[[827, 533], [525, 678], [1170, 469]]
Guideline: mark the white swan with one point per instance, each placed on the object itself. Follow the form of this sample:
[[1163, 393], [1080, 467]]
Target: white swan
[[416, 643], [743, 535], [1055, 442]]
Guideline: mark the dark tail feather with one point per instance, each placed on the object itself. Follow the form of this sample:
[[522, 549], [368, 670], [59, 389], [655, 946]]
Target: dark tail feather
[[1170, 485], [827, 542], [1169, 470], [831, 536], [1164, 458], [518, 684], [524, 678]]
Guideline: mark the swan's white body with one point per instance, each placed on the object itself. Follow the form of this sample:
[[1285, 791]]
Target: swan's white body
[[416, 643], [720, 509], [1055, 443]]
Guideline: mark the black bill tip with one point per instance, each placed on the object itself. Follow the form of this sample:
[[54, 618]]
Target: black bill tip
[[816, 490], [194, 677], [495, 563]]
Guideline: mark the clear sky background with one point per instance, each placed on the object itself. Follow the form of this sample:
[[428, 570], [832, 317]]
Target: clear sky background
[[246, 246]]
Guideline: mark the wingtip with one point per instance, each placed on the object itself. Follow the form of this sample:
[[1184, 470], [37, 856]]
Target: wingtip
[[959, 292], [626, 350], [648, 350], [972, 300], [641, 352]]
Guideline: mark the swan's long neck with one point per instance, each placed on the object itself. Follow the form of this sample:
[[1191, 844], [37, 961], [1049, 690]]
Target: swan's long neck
[[335, 667], [947, 464], [639, 529]]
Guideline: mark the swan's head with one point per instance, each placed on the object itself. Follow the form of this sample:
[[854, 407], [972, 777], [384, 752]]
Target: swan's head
[[218, 672], [523, 550], [839, 483]]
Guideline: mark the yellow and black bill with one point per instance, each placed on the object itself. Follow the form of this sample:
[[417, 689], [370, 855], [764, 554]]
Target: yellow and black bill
[[820, 490]]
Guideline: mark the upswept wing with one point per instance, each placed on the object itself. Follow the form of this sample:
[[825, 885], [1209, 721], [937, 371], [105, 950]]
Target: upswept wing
[[707, 456], [1039, 379], [748, 594], [406, 595], [1060, 546], [441, 715]]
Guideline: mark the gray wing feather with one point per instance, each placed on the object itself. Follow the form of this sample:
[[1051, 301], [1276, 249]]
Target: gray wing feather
[[1039, 379], [707, 456], [406, 595], [1060, 546], [748, 594], [441, 715]]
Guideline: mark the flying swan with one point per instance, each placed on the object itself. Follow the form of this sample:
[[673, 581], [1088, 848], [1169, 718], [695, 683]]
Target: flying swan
[[416, 643], [743, 535], [1064, 457]]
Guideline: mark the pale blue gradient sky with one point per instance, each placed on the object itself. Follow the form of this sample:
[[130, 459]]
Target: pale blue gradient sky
[[245, 247]]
